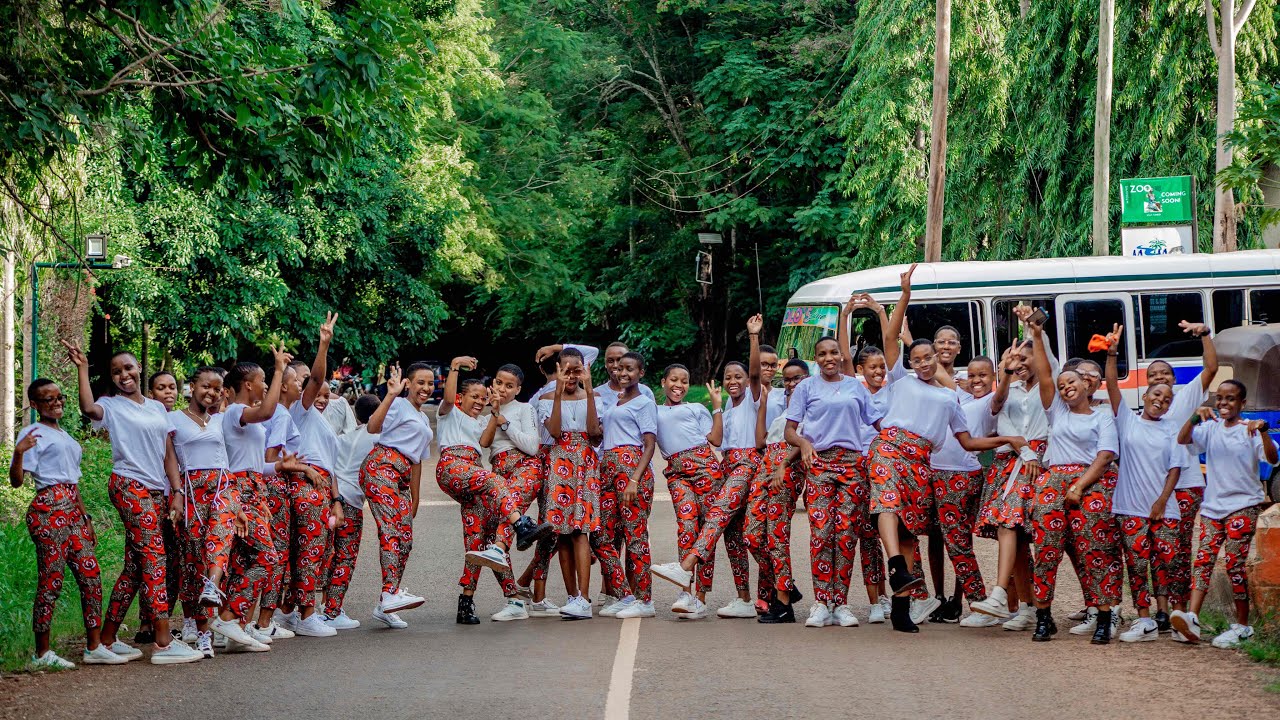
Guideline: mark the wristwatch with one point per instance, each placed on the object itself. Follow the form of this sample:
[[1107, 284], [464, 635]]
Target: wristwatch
[[717, 411], [503, 427]]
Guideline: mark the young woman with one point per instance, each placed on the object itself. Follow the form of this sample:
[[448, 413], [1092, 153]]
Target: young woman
[[1082, 446], [391, 477], [839, 424], [512, 438], [243, 571], [630, 425], [208, 520], [340, 565], [773, 502], [686, 434], [482, 494], [1232, 447], [59, 526], [572, 488], [163, 388], [921, 415], [283, 439], [1150, 464], [142, 456], [741, 462]]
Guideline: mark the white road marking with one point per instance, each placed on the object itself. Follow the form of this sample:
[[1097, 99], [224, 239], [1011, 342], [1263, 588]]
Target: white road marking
[[618, 704], [657, 497]]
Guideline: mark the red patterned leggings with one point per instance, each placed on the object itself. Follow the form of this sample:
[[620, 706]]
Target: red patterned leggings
[[726, 516], [63, 535], [623, 523], [1149, 550], [956, 497], [1232, 535], [1188, 508], [384, 478], [309, 513], [693, 477], [251, 558], [485, 504], [340, 562], [144, 558]]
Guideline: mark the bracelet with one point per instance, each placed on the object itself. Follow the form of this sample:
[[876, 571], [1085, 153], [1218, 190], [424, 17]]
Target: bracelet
[[335, 500], [1195, 419], [1007, 371]]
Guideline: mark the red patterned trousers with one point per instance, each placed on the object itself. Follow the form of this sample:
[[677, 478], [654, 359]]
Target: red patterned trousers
[[144, 558], [769, 512], [384, 479], [340, 562], [693, 477], [251, 558], [1232, 535], [835, 497], [1188, 508], [726, 515], [1149, 549], [1090, 528], [281, 507], [956, 497], [208, 528], [485, 504], [625, 523], [63, 536], [309, 515]]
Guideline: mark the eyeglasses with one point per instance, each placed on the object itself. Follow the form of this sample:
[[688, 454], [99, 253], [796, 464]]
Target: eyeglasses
[[922, 361]]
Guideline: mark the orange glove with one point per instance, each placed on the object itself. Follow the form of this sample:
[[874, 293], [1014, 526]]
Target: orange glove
[[1099, 343]]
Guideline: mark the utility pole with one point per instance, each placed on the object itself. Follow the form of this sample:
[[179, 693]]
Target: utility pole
[[938, 134], [1102, 131]]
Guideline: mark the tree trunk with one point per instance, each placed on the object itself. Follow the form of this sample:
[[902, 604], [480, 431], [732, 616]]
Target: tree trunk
[[1224, 204], [1102, 131], [8, 393], [938, 134]]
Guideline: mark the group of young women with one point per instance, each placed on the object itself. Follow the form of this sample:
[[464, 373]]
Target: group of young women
[[247, 497]]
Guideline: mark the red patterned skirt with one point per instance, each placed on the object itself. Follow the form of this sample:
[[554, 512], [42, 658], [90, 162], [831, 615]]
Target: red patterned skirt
[[1006, 501], [901, 479]]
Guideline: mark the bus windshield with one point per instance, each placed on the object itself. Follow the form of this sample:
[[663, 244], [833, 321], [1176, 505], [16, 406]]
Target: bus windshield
[[802, 327]]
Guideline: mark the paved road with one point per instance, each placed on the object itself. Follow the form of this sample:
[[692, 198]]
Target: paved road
[[659, 668]]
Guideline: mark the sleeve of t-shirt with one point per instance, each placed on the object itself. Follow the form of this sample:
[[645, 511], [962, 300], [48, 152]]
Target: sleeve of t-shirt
[[544, 411], [870, 413], [958, 423], [647, 419], [1200, 435], [1185, 401], [396, 414], [1124, 422], [644, 390], [1177, 456], [1255, 441], [704, 420], [1057, 409], [898, 372], [800, 398], [231, 418], [31, 458], [107, 404], [523, 431], [1107, 437], [589, 353]]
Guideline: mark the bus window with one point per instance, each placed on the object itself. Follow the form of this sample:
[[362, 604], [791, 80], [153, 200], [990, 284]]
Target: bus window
[[1009, 330], [1082, 319], [1159, 316], [924, 319], [1228, 309], [802, 327], [864, 329], [1264, 306]]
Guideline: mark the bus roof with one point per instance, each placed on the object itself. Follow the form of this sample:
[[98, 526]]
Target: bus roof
[[1019, 278]]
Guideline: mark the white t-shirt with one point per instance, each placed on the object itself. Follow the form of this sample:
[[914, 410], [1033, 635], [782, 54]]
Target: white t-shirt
[[522, 432], [407, 430], [1076, 438], [198, 448], [573, 415], [54, 460], [138, 433], [1023, 414], [282, 431], [1231, 460], [880, 398], [977, 414], [458, 428], [1148, 451], [740, 422], [606, 395], [681, 427], [777, 430], [589, 355], [353, 448], [775, 405], [246, 444], [628, 423], [930, 411], [834, 414], [316, 439], [1185, 401], [340, 415]]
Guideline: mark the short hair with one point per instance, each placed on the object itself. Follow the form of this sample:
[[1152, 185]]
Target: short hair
[[981, 359], [952, 328], [617, 344], [918, 342], [151, 382], [572, 352], [797, 362], [241, 372], [673, 367], [1160, 362], [639, 359], [366, 406], [1087, 361], [768, 349], [1244, 391], [416, 368], [731, 363], [466, 385], [207, 370], [1071, 364], [513, 370], [122, 353], [868, 352], [36, 385], [826, 338]]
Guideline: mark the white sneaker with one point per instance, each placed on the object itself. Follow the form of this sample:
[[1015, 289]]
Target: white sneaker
[[922, 609], [492, 557], [391, 620], [673, 573], [211, 596], [697, 609], [513, 610], [637, 609], [399, 600], [1232, 637], [739, 608], [276, 631], [604, 600], [996, 604], [819, 616], [189, 631], [546, 608], [219, 641], [342, 621], [1176, 636], [979, 620], [1089, 625], [1079, 615], [314, 625], [576, 608], [617, 606], [175, 653], [1186, 625], [683, 603], [102, 656], [287, 620], [51, 661], [234, 646], [844, 617], [231, 630], [125, 650], [1024, 619], [1141, 630], [878, 614], [264, 634], [204, 643]]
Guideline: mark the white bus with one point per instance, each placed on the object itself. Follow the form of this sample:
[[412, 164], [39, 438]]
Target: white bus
[[1083, 296]]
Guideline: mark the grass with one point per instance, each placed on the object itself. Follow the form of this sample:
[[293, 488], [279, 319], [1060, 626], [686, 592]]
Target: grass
[[18, 573]]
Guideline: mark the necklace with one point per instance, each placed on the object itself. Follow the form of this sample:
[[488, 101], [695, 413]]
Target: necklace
[[201, 420]]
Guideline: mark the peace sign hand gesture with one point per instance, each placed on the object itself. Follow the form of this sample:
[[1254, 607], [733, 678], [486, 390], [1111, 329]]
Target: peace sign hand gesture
[[395, 381], [326, 328]]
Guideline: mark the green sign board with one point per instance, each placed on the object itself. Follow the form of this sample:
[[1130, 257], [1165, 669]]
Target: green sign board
[[1166, 200]]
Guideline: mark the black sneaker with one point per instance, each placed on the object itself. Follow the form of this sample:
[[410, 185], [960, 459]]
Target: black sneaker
[[528, 532], [778, 614], [467, 611], [1162, 621], [900, 615], [951, 610], [901, 579], [1102, 634], [1046, 628], [144, 636]]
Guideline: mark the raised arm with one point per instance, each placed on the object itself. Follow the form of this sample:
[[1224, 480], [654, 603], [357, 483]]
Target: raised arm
[[1010, 363], [495, 419], [88, 407], [1201, 414], [762, 429], [263, 412], [319, 366], [1203, 332], [716, 436], [893, 331], [754, 326], [595, 431], [1113, 371], [462, 362], [395, 386], [847, 365], [553, 422], [1040, 365]]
